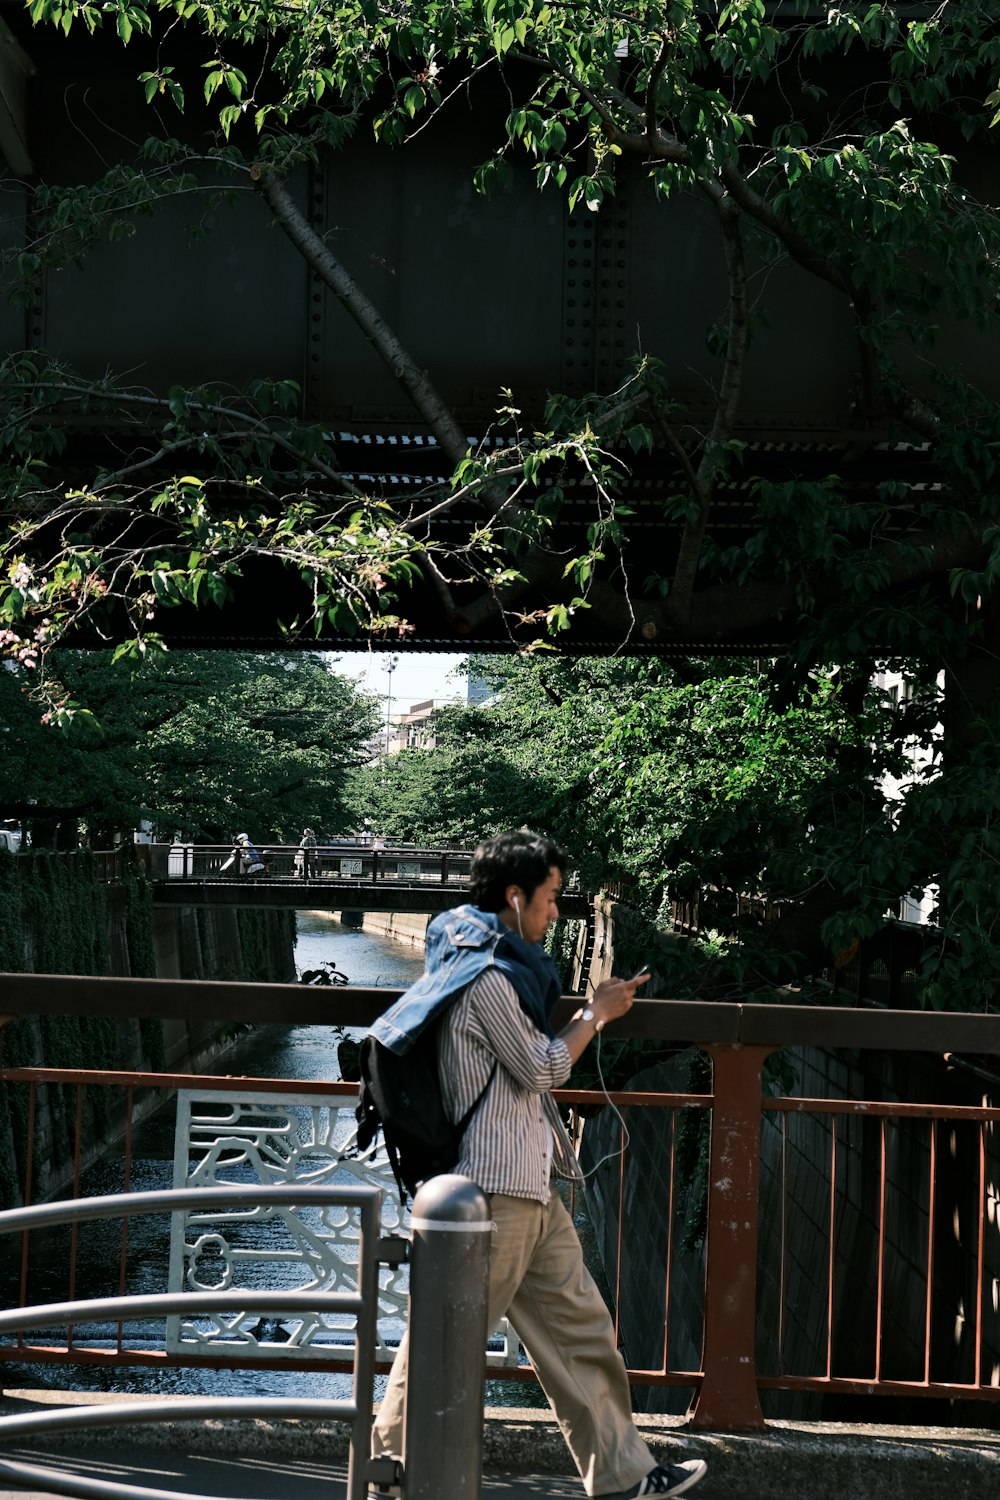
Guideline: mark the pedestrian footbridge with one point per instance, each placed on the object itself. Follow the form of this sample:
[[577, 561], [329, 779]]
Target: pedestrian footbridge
[[329, 877]]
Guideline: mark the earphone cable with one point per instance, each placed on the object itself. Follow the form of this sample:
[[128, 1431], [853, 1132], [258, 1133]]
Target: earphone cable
[[610, 1155]]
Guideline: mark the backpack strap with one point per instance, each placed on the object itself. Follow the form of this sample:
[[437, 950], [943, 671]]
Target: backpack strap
[[462, 1126], [463, 1123]]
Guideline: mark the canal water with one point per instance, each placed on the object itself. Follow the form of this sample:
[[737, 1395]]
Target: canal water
[[292, 1052], [366, 958]]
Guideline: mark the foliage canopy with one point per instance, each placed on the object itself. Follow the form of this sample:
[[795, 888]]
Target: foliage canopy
[[205, 743], [704, 787]]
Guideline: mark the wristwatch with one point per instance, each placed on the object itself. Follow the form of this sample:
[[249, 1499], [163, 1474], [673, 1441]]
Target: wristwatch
[[587, 1014]]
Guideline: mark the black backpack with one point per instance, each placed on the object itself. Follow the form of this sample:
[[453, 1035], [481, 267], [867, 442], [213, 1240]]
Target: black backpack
[[401, 1096]]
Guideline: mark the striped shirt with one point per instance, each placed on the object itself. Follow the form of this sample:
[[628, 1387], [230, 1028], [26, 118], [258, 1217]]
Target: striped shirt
[[515, 1140]]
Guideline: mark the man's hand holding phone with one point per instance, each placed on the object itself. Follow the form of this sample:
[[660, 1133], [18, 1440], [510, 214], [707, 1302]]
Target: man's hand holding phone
[[613, 997]]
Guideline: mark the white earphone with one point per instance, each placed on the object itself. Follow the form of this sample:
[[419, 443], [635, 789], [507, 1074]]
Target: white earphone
[[517, 904]]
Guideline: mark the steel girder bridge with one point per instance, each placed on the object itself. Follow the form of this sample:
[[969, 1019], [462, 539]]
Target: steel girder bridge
[[515, 292]]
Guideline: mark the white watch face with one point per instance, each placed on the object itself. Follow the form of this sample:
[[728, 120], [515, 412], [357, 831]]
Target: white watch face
[[587, 1015]]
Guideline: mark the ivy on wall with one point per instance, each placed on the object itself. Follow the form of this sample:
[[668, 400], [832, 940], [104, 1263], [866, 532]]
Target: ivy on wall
[[265, 937], [58, 915], [561, 943], [54, 919], [54, 915], [18, 1049], [266, 940], [62, 914], [11, 929], [139, 923]]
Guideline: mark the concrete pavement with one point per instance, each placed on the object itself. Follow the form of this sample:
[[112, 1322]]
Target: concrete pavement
[[252, 1478], [261, 1479], [525, 1458]]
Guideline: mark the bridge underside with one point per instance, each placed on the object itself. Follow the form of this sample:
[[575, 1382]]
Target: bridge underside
[[264, 600], [501, 301]]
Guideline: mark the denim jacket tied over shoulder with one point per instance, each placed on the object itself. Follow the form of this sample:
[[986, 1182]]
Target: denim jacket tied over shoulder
[[460, 945]]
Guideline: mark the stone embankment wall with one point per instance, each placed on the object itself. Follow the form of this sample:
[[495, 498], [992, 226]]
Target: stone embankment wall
[[58, 917], [622, 940], [402, 926], [206, 943]]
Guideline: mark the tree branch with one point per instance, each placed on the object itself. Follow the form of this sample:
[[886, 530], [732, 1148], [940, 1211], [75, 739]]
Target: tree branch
[[454, 443], [441, 585], [798, 247], [652, 88], [662, 145], [70, 391], [386, 343]]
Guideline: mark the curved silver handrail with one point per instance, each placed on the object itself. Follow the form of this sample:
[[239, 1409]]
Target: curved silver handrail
[[168, 1200], [167, 1304], [179, 1409], [56, 1482], [31, 1476], [357, 1411]]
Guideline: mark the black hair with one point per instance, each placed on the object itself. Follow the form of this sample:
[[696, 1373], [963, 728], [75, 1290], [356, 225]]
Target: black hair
[[517, 858]]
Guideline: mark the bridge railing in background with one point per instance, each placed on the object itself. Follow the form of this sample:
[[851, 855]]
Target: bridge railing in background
[[880, 1192], [108, 864], [326, 862]]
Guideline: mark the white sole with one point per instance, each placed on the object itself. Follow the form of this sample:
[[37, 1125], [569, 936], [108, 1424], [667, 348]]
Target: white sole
[[695, 1477]]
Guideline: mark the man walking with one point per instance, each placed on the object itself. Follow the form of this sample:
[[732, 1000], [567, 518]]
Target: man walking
[[491, 990]]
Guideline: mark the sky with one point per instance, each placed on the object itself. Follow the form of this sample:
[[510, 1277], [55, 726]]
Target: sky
[[417, 676]]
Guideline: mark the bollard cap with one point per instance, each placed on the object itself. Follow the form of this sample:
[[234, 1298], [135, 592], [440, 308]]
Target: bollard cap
[[450, 1200]]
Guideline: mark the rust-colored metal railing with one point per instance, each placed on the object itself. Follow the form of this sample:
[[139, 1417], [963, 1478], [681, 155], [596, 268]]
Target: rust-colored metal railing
[[970, 1223], [887, 1165]]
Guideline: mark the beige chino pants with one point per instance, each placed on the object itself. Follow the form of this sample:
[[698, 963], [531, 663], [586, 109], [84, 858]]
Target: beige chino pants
[[538, 1279]]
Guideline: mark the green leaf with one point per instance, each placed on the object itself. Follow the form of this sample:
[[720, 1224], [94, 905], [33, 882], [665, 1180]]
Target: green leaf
[[414, 99]]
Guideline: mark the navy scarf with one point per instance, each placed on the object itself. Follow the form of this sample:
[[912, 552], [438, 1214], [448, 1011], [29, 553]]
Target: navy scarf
[[533, 974]]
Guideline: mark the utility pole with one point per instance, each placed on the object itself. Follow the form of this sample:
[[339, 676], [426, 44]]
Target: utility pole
[[390, 667]]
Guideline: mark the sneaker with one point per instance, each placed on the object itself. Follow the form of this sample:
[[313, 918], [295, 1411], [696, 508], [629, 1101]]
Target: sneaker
[[672, 1479], [385, 1489]]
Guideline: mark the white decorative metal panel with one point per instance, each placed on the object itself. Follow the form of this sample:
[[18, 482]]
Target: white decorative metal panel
[[276, 1138], [271, 1138]]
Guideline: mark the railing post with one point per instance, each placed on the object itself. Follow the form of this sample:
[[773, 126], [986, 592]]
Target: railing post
[[449, 1278], [728, 1398]]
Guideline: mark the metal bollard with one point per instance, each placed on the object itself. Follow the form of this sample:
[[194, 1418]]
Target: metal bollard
[[449, 1280]]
